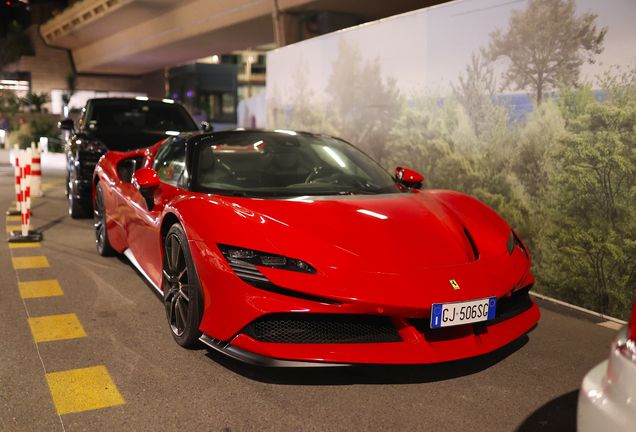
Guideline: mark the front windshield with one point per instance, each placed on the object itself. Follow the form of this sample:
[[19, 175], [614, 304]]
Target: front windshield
[[133, 114], [257, 163]]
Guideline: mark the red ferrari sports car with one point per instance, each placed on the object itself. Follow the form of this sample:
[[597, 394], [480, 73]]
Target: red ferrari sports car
[[285, 248]]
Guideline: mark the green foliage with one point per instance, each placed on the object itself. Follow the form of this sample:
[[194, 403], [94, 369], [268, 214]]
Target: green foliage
[[364, 105], [533, 163], [34, 101], [573, 102], [546, 45], [17, 44], [304, 115], [41, 127], [593, 213], [431, 138], [476, 93], [70, 88], [9, 102], [564, 177], [362, 108]]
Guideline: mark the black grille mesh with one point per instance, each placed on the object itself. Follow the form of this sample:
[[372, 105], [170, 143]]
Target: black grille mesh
[[509, 307], [322, 329]]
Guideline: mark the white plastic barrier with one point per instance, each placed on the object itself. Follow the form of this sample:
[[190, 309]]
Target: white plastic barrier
[[23, 164], [18, 195], [36, 172]]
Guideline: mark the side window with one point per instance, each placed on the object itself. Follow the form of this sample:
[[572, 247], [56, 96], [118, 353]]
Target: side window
[[169, 162]]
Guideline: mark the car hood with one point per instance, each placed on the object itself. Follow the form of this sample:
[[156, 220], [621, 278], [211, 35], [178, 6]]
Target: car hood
[[126, 139], [380, 233]]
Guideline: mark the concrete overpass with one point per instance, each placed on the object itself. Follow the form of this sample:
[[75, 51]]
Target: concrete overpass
[[136, 37]]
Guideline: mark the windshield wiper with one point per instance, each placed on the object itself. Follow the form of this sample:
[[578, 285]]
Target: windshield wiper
[[358, 192]]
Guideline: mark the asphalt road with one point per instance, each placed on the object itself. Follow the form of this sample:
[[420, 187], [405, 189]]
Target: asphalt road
[[121, 370]]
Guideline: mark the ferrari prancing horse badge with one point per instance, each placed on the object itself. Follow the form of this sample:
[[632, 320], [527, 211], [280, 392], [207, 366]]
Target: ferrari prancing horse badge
[[454, 284]]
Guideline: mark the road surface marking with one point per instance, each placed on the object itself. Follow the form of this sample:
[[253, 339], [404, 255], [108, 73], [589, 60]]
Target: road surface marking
[[46, 288], [611, 325], [83, 389], [24, 245], [30, 262], [17, 228], [56, 327]]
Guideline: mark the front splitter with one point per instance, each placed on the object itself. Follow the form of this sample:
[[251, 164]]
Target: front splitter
[[260, 360]]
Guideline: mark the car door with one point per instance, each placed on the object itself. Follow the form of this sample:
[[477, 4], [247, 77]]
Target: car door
[[143, 224]]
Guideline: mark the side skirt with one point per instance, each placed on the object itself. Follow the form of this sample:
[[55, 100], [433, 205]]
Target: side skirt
[[133, 260]]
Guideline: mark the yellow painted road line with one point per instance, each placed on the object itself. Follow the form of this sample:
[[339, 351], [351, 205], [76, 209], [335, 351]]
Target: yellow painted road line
[[15, 218], [30, 262], [83, 389], [46, 186], [17, 228], [56, 327], [24, 245], [46, 288]]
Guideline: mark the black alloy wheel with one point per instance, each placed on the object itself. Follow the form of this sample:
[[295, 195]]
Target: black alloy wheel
[[181, 289], [99, 218]]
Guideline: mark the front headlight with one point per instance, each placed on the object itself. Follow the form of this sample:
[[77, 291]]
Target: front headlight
[[238, 255], [244, 261], [513, 241]]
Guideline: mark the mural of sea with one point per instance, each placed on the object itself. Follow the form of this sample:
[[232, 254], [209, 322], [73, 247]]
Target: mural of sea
[[529, 105]]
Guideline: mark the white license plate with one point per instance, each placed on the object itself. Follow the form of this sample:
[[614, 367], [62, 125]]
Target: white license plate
[[466, 312]]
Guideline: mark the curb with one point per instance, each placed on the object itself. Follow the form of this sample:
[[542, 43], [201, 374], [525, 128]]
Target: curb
[[580, 309]]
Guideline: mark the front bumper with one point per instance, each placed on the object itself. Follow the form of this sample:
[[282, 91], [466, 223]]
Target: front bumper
[[435, 346], [232, 307]]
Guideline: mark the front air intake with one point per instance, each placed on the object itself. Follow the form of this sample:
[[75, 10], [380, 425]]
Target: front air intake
[[306, 328]]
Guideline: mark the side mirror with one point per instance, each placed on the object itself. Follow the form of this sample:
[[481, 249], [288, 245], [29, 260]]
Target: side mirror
[[206, 127], [66, 124], [146, 180], [408, 178]]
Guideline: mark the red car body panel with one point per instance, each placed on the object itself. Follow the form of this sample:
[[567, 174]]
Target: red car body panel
[[387, 255]]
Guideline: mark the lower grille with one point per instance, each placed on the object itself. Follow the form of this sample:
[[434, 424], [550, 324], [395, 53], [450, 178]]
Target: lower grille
[[298, 328], [509, 307]]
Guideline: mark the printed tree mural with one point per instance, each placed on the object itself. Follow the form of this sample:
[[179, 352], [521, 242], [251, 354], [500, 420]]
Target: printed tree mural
[[593, 219], [545, 46], [364, 105], [563, 176]]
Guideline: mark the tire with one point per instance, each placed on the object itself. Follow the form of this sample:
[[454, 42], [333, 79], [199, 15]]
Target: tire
[[101, 230], [68, 184], [75, 208], [182, 294]]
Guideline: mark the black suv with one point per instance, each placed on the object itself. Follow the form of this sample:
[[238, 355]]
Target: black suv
[[119, 124]]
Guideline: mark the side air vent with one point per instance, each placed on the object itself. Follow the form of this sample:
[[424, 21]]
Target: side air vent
[[246, 271]]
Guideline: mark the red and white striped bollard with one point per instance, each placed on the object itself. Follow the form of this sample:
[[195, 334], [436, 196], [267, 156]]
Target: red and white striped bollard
[[36, 172]]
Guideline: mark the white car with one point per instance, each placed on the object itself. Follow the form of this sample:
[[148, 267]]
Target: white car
[[607, 401]]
